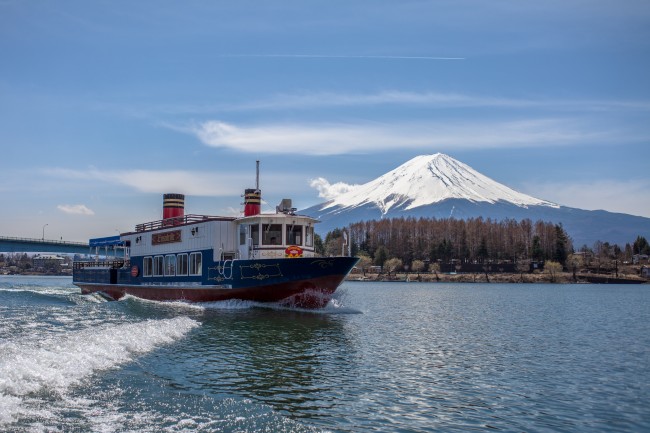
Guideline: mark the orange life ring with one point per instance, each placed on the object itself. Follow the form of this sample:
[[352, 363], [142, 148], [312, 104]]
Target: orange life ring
[[293, 251]]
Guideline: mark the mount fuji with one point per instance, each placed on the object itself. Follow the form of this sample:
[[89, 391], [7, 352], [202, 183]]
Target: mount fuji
[[439, 186]]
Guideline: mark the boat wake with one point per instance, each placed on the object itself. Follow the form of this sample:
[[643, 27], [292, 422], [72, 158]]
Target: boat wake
[[334, 306], [32, 371]]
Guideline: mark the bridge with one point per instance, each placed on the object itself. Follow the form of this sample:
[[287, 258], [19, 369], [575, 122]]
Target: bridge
[[27, 245]]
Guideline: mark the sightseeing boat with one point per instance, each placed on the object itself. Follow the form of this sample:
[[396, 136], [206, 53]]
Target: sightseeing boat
[[262, 257]]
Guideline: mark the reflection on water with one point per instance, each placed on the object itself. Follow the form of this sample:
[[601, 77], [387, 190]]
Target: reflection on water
[[281, 358]]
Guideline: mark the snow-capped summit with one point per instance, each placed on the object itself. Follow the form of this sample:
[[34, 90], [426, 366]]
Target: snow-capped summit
[[429, 179]]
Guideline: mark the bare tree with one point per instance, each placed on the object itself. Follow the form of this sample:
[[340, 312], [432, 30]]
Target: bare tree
[[554, 269], [364, 263], [393, 265], [523, 266], [417, 266], [435, 268]]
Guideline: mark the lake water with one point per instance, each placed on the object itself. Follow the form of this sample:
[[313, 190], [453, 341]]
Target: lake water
[[384, 357]]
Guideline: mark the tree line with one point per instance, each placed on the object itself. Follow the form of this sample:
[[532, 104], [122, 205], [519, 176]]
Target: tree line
[[475, 240]]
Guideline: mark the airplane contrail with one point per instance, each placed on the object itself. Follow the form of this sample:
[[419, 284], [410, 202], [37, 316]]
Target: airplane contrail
[[323, 56]]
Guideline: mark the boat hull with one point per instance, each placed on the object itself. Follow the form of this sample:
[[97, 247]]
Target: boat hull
[[306, 289]]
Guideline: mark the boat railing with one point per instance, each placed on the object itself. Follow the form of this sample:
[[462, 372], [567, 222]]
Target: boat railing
[[177, 221], [108, 264]]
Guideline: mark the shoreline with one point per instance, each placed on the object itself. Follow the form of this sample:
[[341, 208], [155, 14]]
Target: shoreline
[[465, 278], [533, 278]]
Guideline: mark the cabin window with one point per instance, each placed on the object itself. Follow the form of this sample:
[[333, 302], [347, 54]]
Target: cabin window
[[309, 236], [195, 264], [158, 266], [181, 264], [147, 267], [271, 234], [255, 233], [294, 234], [170, 266], [242, 234]]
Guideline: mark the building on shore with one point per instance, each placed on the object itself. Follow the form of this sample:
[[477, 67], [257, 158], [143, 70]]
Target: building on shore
[[48, 261]]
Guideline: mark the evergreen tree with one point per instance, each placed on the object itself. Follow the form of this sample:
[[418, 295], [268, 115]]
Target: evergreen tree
[[381, 255], [537, 253], [561, 245], [319, 247], [464, 249], [444, 251], [641, 246], [482, 252]]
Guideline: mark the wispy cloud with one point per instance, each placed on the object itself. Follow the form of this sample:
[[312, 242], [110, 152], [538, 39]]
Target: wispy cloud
[[325, 56], [75, 209], [330, 191], [434, 100], [159, 181], [392, 98], [191, 182], [333, 139]]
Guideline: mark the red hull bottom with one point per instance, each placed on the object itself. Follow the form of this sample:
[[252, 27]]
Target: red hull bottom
[[313, 293]]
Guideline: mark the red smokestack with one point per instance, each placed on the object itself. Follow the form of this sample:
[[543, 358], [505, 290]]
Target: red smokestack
[[173, 206], [252, 202], [253, 197]]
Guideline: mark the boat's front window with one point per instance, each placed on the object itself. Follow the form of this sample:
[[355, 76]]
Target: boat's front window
[[242, 234], [271, 234], [255, 233], [309, 236], [294, 234]]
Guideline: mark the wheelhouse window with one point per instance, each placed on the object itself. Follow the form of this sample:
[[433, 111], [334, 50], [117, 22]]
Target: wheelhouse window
[[309, 236], [255, 233], [294, 234], [195, 264], [158, 266], [147, 267], [181, 264], [271, 234], [242, 234], [170, 265]]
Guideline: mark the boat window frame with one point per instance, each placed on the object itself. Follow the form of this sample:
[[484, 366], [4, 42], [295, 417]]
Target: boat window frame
[[291, 240], [158, 266], [167, 268], [179, 259], [255, 234], [309, 235], [147, 267], [193, 265], [242, 234], [272, 233]]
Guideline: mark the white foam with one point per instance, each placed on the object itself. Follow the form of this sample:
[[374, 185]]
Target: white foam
[[41, 290], [63, 360], [334, 306], [230, 304]]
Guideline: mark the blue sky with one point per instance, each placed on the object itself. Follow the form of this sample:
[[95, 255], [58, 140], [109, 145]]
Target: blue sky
[[105, 105]]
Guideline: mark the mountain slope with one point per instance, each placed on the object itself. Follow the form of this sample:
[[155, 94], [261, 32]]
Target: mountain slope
[[438, 186], [430, 179]]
